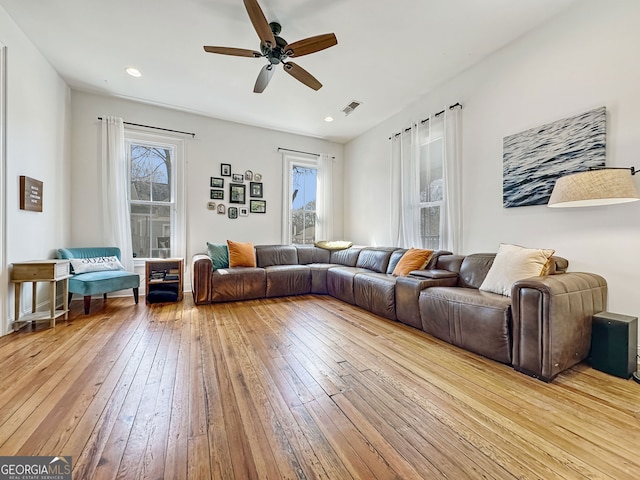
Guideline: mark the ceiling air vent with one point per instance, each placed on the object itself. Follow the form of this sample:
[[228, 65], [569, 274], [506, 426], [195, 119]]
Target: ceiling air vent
[[351, 107]]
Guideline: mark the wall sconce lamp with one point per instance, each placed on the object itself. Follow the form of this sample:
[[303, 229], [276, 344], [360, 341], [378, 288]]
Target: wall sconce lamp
[[597, 186]]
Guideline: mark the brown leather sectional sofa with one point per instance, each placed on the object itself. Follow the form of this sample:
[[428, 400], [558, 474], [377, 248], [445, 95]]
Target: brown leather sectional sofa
[[541, 330]]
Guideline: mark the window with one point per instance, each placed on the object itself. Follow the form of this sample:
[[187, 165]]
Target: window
[[431, 193], [156, 195], [300, 204]]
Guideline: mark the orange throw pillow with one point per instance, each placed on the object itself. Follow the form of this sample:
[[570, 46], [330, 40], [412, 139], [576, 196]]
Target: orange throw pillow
[[241, 254], [413, 259]]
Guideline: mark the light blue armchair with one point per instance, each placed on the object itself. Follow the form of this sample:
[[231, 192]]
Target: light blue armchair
[[94, 283]]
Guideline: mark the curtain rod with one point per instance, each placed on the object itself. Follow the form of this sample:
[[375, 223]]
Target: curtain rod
[[280, 149], [193, 135], [451, 107]]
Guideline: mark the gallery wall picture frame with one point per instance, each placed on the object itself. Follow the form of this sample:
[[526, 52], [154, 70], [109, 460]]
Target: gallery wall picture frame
[[237, 193], [211, 205], [243, 211], [225, 169], [233, 212], [248, 175], [217, 182], [217, 194], [163, 242], [258, 206], [222, 209], [237, 177], [255, 189]]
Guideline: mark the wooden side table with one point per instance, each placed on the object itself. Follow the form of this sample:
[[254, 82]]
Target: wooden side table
[[51, 271]]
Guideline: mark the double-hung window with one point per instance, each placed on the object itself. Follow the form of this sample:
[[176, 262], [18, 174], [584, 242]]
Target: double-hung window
[[431, 192], [300, 180], [156, 198]]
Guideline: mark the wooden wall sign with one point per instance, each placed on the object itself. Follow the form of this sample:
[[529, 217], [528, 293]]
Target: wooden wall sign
[[30, 194]]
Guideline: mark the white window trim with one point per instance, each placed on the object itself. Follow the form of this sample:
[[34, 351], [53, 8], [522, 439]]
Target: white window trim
[[5, 327], [289, 161], [179, 234], [436, 203]]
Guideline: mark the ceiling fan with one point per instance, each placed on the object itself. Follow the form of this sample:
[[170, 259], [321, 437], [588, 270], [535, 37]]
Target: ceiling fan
[[276, 50]]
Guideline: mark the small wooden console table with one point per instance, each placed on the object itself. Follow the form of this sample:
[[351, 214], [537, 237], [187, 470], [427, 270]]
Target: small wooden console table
[[51, 271]]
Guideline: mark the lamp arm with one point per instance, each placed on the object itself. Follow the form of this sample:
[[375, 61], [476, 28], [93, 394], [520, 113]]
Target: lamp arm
[[632, 169]]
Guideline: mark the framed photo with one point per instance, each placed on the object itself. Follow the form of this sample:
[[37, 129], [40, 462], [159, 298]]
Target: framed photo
[[217, 194], [257, 177], [225, 169], [255, 189], [211, 205], [233, 212], [237, 177], [243, 211], [248, 175], [258, 206], [237, 193], [163, 242], [217, 182], [221, 209]]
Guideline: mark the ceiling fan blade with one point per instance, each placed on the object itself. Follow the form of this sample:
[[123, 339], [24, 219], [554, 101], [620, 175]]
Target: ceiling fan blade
[[264, 77], [238, 52], [300, 74], [260, 23], [311, 45]]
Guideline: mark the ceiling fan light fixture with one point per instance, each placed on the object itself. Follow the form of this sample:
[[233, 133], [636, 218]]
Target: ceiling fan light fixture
[[133, 71]]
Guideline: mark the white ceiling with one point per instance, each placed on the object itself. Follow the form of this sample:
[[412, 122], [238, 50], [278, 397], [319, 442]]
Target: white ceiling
[[388, 53]]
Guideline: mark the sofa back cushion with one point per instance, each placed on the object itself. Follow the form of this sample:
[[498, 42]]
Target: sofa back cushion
[[269, 255], [311, 254], [375, 259], [474, 269], [396, 255], [347, 257]]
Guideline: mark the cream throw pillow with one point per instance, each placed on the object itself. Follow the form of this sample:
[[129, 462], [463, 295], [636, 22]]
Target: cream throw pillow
[[513, 263]]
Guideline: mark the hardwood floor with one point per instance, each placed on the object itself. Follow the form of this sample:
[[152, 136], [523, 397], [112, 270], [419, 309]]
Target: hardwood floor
[[305, 387]]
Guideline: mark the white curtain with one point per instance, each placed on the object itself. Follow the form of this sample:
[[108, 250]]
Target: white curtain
[[324, 198], [451, 214], [405, 180], [115, 190], [405, 177]]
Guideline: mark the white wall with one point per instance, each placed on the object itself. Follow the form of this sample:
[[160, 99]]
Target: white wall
[[37, 146], [583, 59], [216, 142]]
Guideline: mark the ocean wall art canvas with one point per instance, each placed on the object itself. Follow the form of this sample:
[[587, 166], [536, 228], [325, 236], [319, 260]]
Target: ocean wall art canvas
[[534, 159]]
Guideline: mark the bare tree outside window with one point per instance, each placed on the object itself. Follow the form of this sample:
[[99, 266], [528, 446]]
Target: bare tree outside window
[[151, 199], [303, 204]]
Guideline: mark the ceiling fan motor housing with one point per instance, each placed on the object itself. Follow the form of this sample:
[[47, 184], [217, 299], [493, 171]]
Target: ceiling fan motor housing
[[278, 53]]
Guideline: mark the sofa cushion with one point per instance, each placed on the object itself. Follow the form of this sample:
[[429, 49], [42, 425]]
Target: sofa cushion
[[513, 263], [241, 254], [375, 292], [413, 259], [347, 257], [340, 282], [219, 254], [239, 283], [284, 280], [374, 259], [469, 318], [268, 255], [309, 254]]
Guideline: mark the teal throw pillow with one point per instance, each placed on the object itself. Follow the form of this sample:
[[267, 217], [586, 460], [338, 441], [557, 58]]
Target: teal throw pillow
[[219, 254]]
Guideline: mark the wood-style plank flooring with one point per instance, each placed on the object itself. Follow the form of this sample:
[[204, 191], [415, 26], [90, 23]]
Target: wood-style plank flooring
[[304, 387]]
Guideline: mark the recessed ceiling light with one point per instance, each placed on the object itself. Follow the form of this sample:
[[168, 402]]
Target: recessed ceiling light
[[133, 71], [328, 119]]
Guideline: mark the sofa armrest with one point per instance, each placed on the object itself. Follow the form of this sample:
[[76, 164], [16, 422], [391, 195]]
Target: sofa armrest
[[434, 273], [552, 321], [201, 271], [408, 291]]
